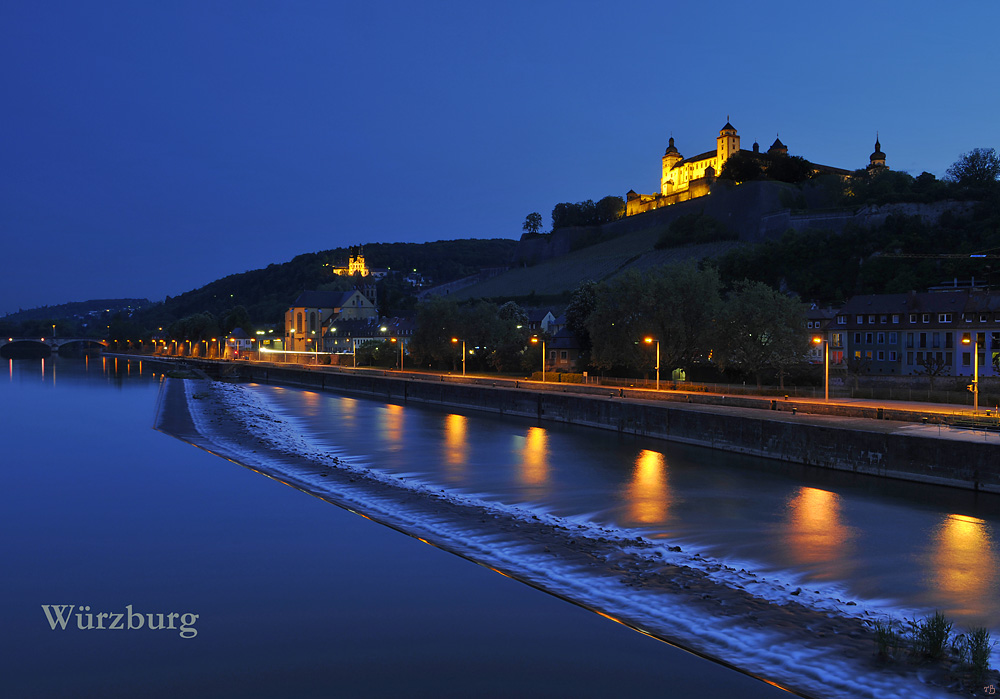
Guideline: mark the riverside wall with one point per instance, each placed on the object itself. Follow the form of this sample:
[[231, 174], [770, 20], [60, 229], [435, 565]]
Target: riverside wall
[[875, 446]]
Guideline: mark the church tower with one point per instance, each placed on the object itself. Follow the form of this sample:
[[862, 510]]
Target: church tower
[[670, 158], [877, 159], [727, 144]]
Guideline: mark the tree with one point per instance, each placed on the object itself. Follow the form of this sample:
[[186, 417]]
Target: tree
[[236, 318], [789, 168], [675, 305], [760, 328], [742, 167], [933, 365], [978, 167], [532, 223], [581, 304], [608, 209]]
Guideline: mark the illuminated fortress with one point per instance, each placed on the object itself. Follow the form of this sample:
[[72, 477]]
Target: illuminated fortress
[[686, 178]]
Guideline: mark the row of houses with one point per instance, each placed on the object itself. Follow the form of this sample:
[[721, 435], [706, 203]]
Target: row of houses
[[936, 333]]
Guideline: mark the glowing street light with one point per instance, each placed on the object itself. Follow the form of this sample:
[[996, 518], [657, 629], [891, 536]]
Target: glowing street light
[[455, 340], [966, 339], [649, 341], [400, 341], [535, 340], [817, 339]]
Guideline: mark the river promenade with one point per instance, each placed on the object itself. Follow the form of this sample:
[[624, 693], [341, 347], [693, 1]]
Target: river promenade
[[905, 440]]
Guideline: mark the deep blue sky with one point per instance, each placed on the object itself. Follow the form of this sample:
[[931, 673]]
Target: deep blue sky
[[149, 148]]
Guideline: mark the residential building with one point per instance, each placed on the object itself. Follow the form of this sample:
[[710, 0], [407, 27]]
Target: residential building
[[921, 333]]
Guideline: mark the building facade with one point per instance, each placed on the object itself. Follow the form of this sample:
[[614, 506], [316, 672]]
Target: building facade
[[922, 333], [309, 317]]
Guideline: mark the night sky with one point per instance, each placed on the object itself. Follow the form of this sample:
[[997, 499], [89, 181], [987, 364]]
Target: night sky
[[151, 147]]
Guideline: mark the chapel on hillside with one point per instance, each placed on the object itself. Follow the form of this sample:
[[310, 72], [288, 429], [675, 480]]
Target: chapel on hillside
[[686, 178]]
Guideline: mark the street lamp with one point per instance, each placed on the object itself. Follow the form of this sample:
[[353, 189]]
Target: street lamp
[[650, 341], [455, 340], [536, 341], [975, 369], [826, 365], [400, 341]]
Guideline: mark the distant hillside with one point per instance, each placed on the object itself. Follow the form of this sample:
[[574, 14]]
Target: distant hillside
[[76, 309], [266, 293]]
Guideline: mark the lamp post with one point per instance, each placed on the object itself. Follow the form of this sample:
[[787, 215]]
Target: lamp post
[[966, 339], [826, 365], [649, 341], [400, 341], [455, 340], [536, 341]]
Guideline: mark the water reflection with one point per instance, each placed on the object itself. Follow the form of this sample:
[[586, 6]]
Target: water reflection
[[534, 467], [392, 424], [964, 563], [815, 533], [348, 411], [456, 448], [648, 493]]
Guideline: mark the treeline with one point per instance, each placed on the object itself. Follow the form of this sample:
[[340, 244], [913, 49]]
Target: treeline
[[750, 327], [588, 213]]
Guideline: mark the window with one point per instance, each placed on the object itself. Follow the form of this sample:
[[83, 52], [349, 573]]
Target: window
[[948, 339], [983, 317], [935, 339], [944, 317], [838, 340], [868, 354], [857, 338], [563, 354], [871, 320], [882, 319], [893, 356], [857, 354], [861, 320], [913, 317], [895, 318], [868, 338], [909, 340], [881, 356], [881, 338], [923, 340], [966, 358], [909, 358], [947, 358], [809, 323], [926, 318], [841, 320], [893, 338]]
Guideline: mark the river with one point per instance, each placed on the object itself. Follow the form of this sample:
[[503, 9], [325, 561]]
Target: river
[[293, 596]]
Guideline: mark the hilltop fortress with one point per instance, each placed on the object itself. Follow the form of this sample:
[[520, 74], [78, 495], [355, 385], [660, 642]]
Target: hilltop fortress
[[686, 178]]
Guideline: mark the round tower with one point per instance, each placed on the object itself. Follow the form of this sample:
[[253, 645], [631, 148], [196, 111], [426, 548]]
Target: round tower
[[670, 158]]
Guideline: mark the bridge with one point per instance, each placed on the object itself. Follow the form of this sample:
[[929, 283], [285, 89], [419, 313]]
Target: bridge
[[54, 344]]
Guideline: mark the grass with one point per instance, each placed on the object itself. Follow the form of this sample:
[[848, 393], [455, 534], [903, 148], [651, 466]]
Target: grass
[[930, 637], [973, 648]]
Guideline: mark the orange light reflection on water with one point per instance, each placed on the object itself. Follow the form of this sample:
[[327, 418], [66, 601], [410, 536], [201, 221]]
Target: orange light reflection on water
[[456, 445], [964, 563], [534, 467], [816, 533], [648, 493], [392, 423]]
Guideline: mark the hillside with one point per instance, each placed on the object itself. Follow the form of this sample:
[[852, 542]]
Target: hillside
[[597, 262], [266, 293], [75, 309]]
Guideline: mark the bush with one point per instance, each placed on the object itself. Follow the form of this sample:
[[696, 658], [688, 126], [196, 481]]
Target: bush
[[930, 637], [974, 649]]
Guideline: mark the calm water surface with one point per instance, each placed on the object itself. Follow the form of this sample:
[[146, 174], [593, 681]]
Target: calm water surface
[[919, 546], [295, 597]]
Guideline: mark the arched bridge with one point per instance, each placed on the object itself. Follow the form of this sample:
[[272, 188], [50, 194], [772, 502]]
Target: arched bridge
[[54, 344]]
